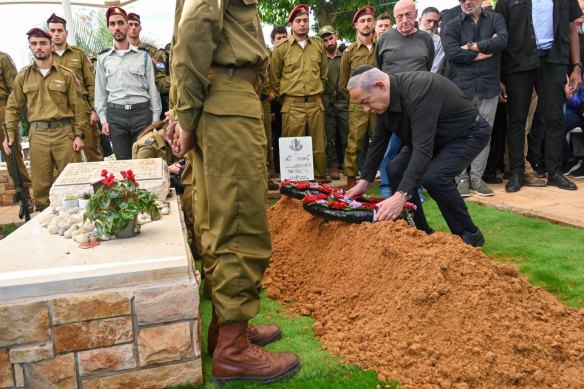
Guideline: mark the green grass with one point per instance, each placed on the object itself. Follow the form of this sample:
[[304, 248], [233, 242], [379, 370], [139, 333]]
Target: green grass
[[9, 229], [549, 255]]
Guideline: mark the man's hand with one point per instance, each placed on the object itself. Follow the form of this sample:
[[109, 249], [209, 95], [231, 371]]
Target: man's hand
[[171, 131], [93, 118], [503, 93], [482, 56], [575, 80], [357, 190], [6, 146], [78, 144], [271, 97], [175, 168], [390, 208], [185, 142], [105, 129]]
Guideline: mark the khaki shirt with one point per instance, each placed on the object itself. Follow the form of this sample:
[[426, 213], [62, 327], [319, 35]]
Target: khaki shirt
[[50, 98], [226, 33], [7, 75], [151, 145], [74, 59], [172, 92], [332, 83], [296, 71], [162, 83], [355, 55]]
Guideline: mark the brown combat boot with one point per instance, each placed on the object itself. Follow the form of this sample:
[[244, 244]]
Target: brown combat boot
[[29, 200], [259, 335], [351, 181], [272, 185], [237, 359], [334, 173]]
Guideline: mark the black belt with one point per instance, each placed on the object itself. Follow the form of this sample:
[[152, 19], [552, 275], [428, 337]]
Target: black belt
[[300, 99], [543, 53], [51, 124], [129, 107]]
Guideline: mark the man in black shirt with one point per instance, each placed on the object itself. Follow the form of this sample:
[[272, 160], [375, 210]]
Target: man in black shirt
[[442, 133]]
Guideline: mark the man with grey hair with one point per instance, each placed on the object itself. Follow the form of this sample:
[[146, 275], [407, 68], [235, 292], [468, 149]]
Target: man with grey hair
[[441, 136], [429, 22]]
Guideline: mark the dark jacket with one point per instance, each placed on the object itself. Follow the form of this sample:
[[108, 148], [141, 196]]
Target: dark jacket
[[521, 53]]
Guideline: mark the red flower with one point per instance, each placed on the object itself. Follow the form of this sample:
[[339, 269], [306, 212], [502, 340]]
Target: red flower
[[104, 173], [340, 205], [303, 185], [369, 205], [109, 181], [124, 175], [410, 206]]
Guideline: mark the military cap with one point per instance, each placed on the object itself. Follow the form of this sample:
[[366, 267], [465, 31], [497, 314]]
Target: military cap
[[115, 11], [56, 19], [38, 33], [300, 9], [367, 10], [135, 17], [326, 30]]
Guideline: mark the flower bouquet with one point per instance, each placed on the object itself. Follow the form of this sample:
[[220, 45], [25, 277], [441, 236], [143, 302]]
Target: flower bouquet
[[114, 207], [298, 189]]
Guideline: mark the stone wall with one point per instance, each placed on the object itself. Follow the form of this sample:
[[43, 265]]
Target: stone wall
[[145, 336], [7, 186]]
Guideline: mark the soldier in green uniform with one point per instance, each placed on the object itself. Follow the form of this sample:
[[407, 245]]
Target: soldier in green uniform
[[220, 50], [75, 59], [267, 96], [361, 124], [298, 73], [335, 103], [160, 74], [151, 143], [49, 94], [7, 76]]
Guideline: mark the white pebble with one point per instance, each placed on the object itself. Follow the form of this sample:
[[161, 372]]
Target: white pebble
[[165, 211], [81, 238], [53, 229]]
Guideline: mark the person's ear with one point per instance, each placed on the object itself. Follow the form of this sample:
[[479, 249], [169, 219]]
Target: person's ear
[[379, 85]]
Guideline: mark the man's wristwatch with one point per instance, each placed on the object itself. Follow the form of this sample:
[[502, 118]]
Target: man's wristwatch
[[579, 64], [80, 136], [469, 44], [406, 195]]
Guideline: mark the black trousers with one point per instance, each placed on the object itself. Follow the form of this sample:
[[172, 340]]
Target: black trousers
[[125, 126], [549, 80], [438, 180]]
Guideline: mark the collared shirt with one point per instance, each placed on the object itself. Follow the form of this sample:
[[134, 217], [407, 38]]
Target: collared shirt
[[438, 63], [395, 53], [355, 55], [74, 58], [125, 79], [297, 71], [51, 98], [543, 23], [7, 75], [475, 78], [225, 33], [521, 53], [423, 119], [331, 87], [151, 145]]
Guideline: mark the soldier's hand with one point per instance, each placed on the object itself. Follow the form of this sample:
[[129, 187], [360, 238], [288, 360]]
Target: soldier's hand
[[185, 143], [93, 118], [78, 144], [6, 146], [105, 129], [171, 130]]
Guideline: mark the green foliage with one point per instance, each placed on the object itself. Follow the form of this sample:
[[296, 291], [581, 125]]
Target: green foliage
[[336, 13], [117, 203], [9, 229], [71, 197], [86, 196]]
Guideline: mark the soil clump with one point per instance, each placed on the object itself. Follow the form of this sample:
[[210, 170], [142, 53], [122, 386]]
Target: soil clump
[[425, 310]]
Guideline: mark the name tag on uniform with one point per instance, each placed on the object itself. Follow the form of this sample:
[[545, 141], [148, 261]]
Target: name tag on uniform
[[148, 141]]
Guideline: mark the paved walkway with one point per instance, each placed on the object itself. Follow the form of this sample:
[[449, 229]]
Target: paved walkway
[[550, 203]]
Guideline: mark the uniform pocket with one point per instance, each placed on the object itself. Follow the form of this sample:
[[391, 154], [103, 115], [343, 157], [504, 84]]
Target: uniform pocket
[[58, 91]]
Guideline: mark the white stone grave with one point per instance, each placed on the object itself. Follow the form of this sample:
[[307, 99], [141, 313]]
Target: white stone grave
[[296, 159]]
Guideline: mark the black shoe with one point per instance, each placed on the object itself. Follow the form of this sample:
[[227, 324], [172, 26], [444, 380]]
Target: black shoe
[[539, 168], [475, 239], [557, 179], [491, 178], [578, 173], [514, 185]]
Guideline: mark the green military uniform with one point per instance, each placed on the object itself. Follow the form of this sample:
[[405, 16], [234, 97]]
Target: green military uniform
[[7, 76], [56, 116], [222, 55], [298, 75], [267, 116], [152, 145], [74, 59], [335, 111], [162, 79], [360, 123]]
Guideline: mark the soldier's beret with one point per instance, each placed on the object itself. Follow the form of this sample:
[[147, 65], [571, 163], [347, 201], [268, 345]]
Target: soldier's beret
[[115, 11], [326, 30], [133, 16], [367, 10], [56, 19], [300, 9], [38, 33]]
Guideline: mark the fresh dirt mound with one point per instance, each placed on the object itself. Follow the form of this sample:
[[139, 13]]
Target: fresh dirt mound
[[428, 311]]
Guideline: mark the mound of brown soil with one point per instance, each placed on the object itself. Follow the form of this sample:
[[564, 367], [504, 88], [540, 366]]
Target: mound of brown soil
[[428, 311]]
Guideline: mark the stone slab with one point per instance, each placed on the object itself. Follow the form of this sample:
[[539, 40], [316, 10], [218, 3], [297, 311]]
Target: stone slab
[[167, 303], [166, 343], [188, 373], [107, 359], [6, 380], [90, 306], [92, 334], [24, 323], [36, 263], [58, 372], [18, 376], [76, 178], [32, 353]]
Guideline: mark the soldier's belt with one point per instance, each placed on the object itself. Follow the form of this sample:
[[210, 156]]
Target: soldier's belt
[[300, 99], [246, 74], [129, 107], [52, 124]]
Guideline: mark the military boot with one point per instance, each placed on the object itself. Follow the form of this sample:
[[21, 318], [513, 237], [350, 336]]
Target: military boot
[[334, 173], [259, 335], [351, 181], [236, 358], [29, 200]]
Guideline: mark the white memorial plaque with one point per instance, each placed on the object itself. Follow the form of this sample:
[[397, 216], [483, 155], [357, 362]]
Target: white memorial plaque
[[296, 160]]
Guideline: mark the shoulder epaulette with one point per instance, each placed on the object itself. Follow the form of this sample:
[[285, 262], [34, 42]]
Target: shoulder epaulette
[[316, 38], [105, 50], [143, 47], [25, 68], [77, 48]]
